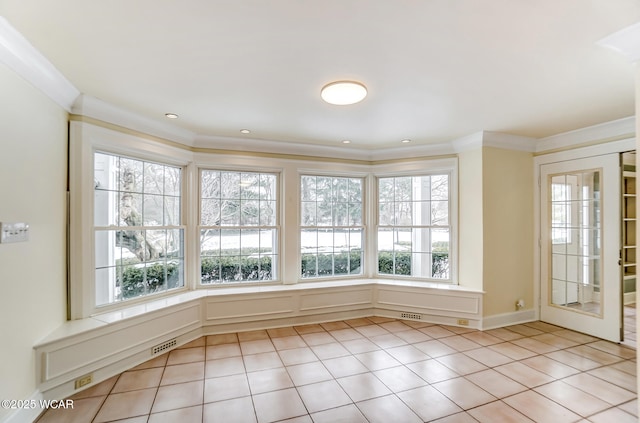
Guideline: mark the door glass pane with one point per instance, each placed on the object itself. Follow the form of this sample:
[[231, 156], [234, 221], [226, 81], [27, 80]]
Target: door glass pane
[[574, 218]]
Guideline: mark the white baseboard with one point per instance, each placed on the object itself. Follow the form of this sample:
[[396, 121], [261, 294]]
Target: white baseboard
[[508, 319], [24, 414]]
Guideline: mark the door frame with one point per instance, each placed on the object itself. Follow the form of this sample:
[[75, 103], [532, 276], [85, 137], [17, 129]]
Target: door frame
[[555, 157]]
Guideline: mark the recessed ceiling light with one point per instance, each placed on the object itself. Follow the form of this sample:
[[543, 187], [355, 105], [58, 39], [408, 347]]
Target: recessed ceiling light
[[346, 142], [245, 131], [171, 115], [406, 141], [342, 93]]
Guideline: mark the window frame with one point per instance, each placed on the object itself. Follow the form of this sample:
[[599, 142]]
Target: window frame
[[364, 259], [85, 140], [278, 226], [143, 196], [421, 168]]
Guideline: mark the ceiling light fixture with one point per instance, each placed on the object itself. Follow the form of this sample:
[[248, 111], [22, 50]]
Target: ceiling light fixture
[[245, 131], [342, 93], [406, 141], [346, 142], [171, 115]]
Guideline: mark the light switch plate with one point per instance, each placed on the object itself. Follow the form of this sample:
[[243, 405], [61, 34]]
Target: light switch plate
[[13, 232]]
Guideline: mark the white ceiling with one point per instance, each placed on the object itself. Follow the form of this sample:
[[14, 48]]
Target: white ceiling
[[436, 70]]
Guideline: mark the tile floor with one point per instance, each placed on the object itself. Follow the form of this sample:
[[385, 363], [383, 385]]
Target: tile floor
[[373, 370]]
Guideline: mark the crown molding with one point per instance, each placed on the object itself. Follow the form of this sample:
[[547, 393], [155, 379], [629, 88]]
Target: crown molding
[[92, 107], [626, 42], [19, 55], [608, 131], [494, 139], [24, 59]]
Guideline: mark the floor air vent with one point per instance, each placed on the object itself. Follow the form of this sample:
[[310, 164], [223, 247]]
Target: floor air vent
[[163, 347], [412, 316]]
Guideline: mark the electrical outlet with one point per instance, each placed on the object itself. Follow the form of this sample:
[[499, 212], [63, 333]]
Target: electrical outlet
[[13, 232], [463, 322], [84, 381]]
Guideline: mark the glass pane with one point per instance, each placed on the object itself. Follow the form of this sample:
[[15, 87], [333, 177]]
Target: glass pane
[[268, 241], [403, 188], [153, 210], [341, 190], [355, 190], [106, 208], [385, 189], [230, 185], [340, 214], [341, 240], [153, 178], [309, 240], [250, 186], [420, 265], [250, 242], [308, 188], [439, 187], [171, 211], [308, 213], [230, 242], [172, 181], [230, 212], [325, 264], [439, 212], [210, 212], [210, 184], [323, 213], [325, 240], [575, 239], [309, 265], [210, 242], [130, 175], [210, 269], [267, 213], [386, 214], [267, 187], [250, 213], [403, 213], [355, 214]]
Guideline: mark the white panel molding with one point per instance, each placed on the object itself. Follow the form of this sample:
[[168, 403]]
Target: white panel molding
[[626, 42], [122, 340], [19, 55], [508, 319], [329, 300], [250, 307], [75, 356]]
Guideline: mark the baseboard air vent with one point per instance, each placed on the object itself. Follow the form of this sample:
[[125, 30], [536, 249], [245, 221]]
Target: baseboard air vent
[[164, 346], [412, 316]]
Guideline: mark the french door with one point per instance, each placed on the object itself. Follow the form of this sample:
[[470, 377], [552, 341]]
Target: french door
[[580, 245]]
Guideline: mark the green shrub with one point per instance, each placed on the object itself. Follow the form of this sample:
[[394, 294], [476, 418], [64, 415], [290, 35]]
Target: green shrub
[[402, 264], [222, 269], [140, 280], [331, 264]]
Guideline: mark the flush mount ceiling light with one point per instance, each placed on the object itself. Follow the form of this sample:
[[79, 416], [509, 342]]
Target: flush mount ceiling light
[[406, 141], [171, 115], [342, 93], [346, 141], [245, 131]]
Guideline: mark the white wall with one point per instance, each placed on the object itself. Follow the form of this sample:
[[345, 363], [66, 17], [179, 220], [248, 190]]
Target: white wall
[[33, 157]]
